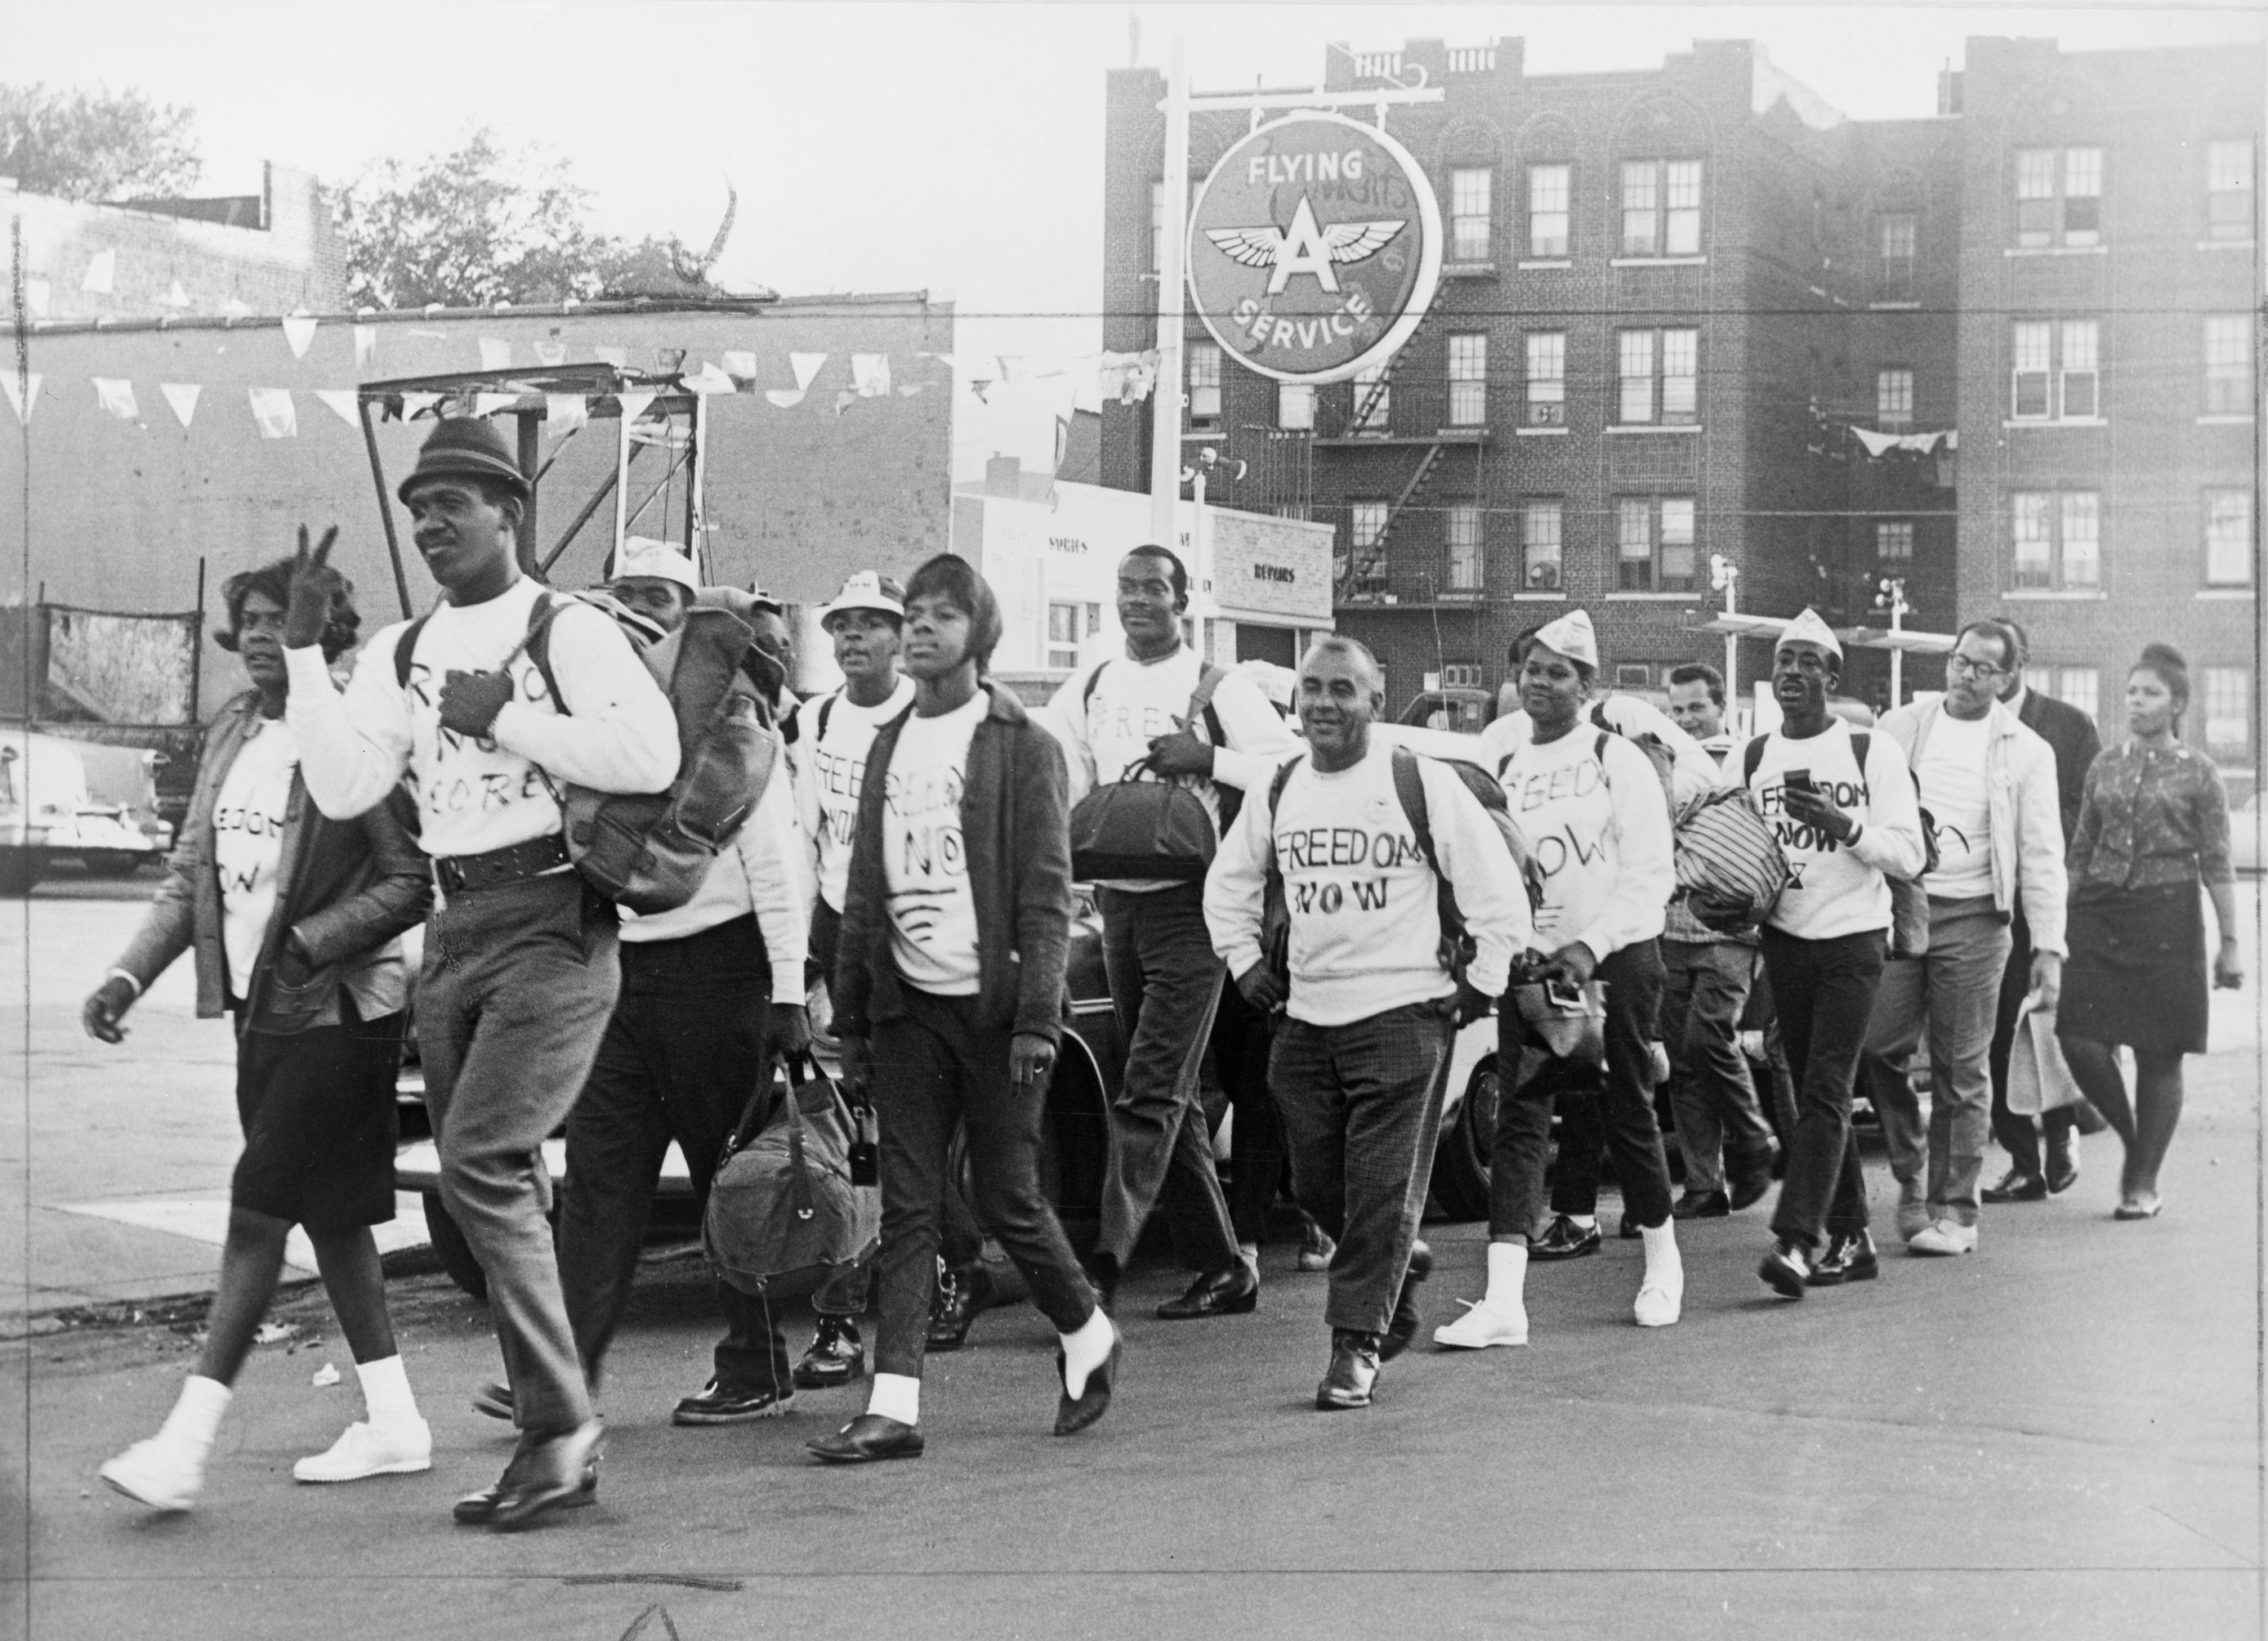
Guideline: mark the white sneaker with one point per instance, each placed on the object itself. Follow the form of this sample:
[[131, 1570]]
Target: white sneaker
[[365, 1451], [161, 1473], [1943, 1236], [1483, 1325], [1660, 1301]]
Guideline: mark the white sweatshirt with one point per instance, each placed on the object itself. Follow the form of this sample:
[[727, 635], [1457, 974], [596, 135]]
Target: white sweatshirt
[[1365, 928], [766, 871], [1600, 833], [828, 772], [1692, 771], [1134, 702], [618, 734], [1838, 888]]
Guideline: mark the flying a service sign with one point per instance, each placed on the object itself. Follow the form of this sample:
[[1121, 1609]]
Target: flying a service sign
[[1314, 248]]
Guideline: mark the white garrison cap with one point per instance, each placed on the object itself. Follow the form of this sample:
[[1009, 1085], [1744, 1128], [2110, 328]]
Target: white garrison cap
[[1571, 636], [642, 556], [1808, 628]]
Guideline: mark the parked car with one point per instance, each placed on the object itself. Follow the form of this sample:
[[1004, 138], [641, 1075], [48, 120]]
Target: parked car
[[2244, 835], [49, 814]]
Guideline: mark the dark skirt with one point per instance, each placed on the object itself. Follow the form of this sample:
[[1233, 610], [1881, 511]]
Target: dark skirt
[[2137, 971], [320, 1124]]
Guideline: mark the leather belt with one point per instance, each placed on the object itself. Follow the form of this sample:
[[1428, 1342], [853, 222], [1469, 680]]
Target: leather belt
[[464, 873]]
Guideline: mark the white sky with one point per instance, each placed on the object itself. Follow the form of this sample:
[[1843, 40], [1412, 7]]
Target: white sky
[[955, 147]]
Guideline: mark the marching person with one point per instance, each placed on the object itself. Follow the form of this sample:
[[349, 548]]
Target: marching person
[[1693, 770], [1842, 824], [521, 968], [1721, 1131], [949, 998], [2153, 828], [1591, 806], [295, 920], [1369, 1007], [2072, 736], [712, 997], [1988, 785], [1148, 716]]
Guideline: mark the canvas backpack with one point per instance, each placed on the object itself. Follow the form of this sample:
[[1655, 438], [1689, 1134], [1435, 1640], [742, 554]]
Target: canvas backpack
[[650, 850]]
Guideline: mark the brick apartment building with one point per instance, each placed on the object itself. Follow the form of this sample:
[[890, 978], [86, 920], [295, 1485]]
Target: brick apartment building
[[1673, 300]]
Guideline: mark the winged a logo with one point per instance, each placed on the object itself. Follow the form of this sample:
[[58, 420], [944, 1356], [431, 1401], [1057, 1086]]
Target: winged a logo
[[1304, 246]]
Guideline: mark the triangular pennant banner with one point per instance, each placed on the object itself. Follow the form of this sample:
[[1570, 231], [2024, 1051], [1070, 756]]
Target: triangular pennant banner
[[495, 354], [870, 373], [116, 395], [25, 399], [236, 307], [299, 331], [182, 395], [633, 405], [36, 296], [564, 412], [415, 404], [550, 353], [342, 400], [101, 273], [273, 411], [174, 297], [845, 398], [806, 366], [740, 364], [365, 344], [490, 403], [786, 398], [708, 378]]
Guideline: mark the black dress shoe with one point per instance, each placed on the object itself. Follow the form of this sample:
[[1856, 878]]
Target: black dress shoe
[[1231, 1292], [720, 1403], [1074, 1413], [1403, 1326], [836, 1356], [952, 1307], [1748, 1177], [1564, 1240], [556, 1471], [2063, 1168], [2016, 1185], [1705, 1205], [1352, 1379], [1846, 1259], [1785, 1269], [866, 1439]]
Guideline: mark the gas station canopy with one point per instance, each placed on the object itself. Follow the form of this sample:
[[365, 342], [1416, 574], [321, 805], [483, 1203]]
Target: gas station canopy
[[1856, 638]]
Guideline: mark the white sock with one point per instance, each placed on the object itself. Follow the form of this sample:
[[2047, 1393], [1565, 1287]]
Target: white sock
[[1585, 1220], [195, 1418], [1665, 1267], [1085, 1348], [385, 1394], [1508, 1276], [896, 1396]]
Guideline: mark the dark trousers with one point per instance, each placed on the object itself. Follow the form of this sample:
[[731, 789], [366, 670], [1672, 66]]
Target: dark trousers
[[2017, 1133], [1620, 1102], [513, 998], [1241, 1039], [1362, 1110], [1711, 1088], [683, 1054], [1824, 990], [934, 1066], [1165, 983]]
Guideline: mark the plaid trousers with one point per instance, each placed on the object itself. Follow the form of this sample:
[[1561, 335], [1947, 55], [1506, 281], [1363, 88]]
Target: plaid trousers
[[1361, 1104]]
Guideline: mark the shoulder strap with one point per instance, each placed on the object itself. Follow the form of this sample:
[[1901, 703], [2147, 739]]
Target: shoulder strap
[[538, 645], [403, 646], [1860, 740], [1409, 787], [826, 708], [1923, 722], [1753, 754], [1276, 787], [1209, 678], [1086, 693], [1599, 715]]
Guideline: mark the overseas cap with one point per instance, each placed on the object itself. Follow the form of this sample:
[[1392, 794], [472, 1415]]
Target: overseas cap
[[1808, 628], [642, 556], [1571, 635]]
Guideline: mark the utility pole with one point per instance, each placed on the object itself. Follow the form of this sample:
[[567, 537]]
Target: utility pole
[[1166, 402], [1893, 598], [1723, 575]]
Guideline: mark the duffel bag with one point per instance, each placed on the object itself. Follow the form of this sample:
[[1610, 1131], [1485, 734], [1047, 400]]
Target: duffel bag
[[1130, 828], [783, 1215]]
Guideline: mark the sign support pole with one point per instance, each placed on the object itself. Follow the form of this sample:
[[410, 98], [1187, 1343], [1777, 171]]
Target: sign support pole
[[1166, 402]]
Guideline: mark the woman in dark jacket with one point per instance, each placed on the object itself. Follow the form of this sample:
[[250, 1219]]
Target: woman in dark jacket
[[2152, 827], [295, 922]]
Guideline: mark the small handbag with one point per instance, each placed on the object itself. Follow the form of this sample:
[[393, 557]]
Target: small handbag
[[783, 1214], [1570, 1027], [2039, 1076], [1132, 828]]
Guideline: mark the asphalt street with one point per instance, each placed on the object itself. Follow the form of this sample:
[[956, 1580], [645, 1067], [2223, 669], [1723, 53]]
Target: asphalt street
[[2058, 1436]]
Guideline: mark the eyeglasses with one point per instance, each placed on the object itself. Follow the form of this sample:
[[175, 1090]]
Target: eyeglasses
[[1972, 668]]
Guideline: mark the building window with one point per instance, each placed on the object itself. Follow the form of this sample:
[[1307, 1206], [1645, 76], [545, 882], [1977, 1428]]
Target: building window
[[2228, 364], [1894, 268], [1063, 635], [1468, 213], [1205, 381], [2229, 189], [1468, 379], [1547, 379], [1547, 210], [1158, 227], [2058, 197], [1655, 544], [2227, 693], [1374, 400], [1633, 674], [2080, 687], [2056, 539], [1662, 208], [1460, 674], [1295, 407], [1894, 542], [1464, 522], [1678, 353], [1363, 568], [2229, 538], [1894, 397], [1539, 543], [2055, 370]]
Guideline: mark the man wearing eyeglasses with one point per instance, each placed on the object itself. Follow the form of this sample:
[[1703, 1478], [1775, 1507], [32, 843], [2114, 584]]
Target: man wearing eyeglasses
[[1988, 785]]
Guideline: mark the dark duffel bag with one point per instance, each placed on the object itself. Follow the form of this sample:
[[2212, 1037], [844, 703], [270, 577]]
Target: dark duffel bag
[[1130, 828], [783, 1215]]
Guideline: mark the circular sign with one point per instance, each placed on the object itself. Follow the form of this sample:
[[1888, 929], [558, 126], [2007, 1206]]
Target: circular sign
[[1314, 248]]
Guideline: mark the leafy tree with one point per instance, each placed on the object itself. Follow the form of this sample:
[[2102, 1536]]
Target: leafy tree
[[95, 146]]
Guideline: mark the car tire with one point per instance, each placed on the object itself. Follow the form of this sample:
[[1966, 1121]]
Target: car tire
[[113, 863], [454, 1253], [1461, 1158]]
